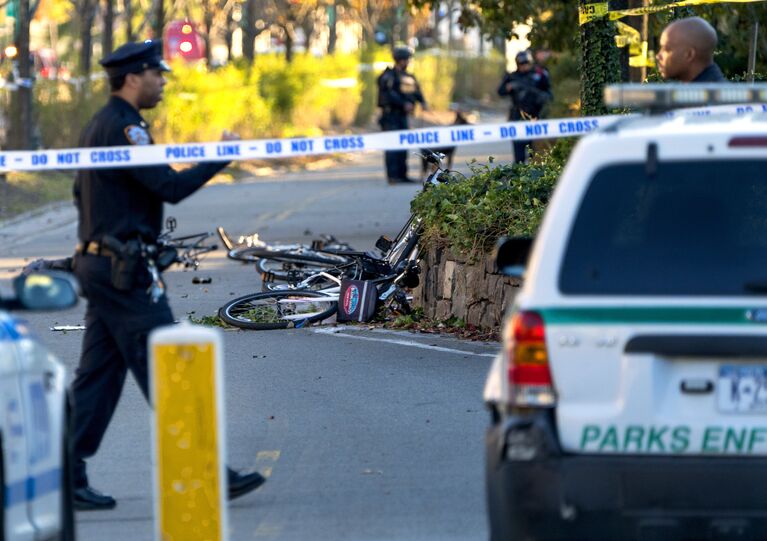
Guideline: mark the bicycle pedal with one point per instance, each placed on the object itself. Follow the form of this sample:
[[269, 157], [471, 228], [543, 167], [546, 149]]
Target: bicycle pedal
[[267, 277], [317, 245]]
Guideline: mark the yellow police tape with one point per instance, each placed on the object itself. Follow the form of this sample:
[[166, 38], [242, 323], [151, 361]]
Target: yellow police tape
[[644, 59], [639, 54], [590, 12], [628, 36], [187, 447]]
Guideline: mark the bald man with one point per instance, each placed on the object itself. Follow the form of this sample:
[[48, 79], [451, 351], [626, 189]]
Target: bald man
[[687, 52]]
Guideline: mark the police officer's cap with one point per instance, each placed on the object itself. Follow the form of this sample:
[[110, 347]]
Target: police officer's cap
[[524, 57], [402, 53], [135, 58]]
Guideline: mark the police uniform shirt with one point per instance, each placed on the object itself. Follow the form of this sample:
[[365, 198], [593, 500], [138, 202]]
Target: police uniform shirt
[[530, 91], [712, 74], [398, 88], [127, 202]]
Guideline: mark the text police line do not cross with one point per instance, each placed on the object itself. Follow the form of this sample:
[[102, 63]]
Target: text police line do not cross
[[132, 156], [259, 149]]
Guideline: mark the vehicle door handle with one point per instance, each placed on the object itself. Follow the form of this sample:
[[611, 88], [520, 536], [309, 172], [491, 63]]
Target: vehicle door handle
[[48, 379], [696, 386]]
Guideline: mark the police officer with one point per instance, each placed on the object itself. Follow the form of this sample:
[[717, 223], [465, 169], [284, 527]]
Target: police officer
[[120, 217], [687, 52], [530, 89], [398, 93]]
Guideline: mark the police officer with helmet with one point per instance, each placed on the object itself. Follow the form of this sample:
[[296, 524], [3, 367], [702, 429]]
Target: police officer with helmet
[[398, 94], [529, 89], [117, 260]]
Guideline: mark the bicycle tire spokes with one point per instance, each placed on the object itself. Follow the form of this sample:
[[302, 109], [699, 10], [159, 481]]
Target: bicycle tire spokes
[[278, 310]]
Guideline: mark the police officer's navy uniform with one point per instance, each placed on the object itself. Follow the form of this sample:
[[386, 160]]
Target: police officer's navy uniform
[[712, 74], [529, 92], [397, 89], [125, 204]]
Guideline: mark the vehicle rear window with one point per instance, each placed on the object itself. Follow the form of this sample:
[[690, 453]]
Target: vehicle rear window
[[691, 228]]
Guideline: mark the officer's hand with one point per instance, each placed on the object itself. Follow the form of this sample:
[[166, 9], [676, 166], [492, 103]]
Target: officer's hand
[[409, 107], [509, 87], [227, 135], [425, 107]]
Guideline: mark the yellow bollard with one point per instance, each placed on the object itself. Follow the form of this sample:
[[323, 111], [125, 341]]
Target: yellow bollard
[[186, 383]]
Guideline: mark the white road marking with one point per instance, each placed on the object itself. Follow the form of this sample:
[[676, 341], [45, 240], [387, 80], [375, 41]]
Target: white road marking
[[408, 343]]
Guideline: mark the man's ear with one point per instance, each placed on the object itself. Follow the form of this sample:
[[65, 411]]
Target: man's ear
[[132, 80], [691, 54]]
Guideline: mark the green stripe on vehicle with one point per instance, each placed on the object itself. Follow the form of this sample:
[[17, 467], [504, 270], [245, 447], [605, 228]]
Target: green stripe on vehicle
[[646, 314]]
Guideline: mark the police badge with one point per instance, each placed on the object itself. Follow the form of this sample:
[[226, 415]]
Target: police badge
[[137, 135]]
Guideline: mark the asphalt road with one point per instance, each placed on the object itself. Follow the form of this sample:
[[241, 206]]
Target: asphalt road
[[365, 434]]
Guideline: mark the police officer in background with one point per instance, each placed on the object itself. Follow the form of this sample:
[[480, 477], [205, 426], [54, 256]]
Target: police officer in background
[[398, 93], [120, 217], [530, 89], [687, 52]]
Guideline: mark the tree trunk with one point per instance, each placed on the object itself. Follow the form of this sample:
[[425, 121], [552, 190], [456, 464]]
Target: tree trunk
[[207, 18], [249, 31], [308, 26], [645, 33], [289, 41], [332, 30], [20, 136], [599, 63], [158, 24], [437, 19], [107, 36], [87, 16], [228, 34], [128, 9], [289, 47]]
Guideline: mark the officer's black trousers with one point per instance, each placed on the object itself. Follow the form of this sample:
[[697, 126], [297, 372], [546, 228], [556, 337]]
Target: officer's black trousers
[[521, 150], [117, 325], [395, 160]]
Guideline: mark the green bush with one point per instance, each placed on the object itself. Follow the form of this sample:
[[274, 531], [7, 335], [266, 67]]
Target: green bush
[[469, 215], [62, 109], [269, 98]]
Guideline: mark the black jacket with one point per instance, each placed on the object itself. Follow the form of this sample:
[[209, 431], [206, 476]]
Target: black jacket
[[395, 89], [127, 203], [530, 91], [711, 74]]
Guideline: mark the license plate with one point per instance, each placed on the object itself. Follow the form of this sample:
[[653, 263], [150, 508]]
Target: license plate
[[742, 389]]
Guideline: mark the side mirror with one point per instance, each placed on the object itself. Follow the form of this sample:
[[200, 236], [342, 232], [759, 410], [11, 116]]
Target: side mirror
[[511, 255], [45, 291]]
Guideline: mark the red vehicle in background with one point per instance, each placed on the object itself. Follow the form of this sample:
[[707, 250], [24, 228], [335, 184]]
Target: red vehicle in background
[[182, 40]]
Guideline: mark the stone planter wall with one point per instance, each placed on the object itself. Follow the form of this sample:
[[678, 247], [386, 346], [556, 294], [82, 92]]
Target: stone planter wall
[[473, 292]]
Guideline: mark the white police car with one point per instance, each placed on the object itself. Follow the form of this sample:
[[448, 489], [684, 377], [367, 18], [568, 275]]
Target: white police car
[[36, 496], [630, 398]]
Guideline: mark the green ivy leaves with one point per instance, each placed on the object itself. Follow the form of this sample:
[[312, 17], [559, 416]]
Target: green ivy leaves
[[469, 215]]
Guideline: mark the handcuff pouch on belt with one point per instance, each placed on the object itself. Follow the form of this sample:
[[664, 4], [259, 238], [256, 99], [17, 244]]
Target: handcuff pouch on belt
[[166, 256], [126, 257]]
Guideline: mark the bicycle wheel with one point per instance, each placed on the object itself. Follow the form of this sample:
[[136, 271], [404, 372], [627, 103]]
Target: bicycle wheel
[[278, 310], [293, 253], [284, 271]]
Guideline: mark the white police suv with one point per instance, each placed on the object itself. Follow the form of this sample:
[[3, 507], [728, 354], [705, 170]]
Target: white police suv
[[630, 398], [36, 496]]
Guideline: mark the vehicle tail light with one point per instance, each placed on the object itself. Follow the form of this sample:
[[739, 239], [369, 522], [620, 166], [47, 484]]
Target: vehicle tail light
[[748, 141], [530, 382]]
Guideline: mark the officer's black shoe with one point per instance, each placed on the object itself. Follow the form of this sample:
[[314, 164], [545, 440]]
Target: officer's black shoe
[[405, 180], [88, 499], [242, 483]]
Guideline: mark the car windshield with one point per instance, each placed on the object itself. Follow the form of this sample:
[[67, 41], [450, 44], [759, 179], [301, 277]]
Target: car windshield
[[686, 228]]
